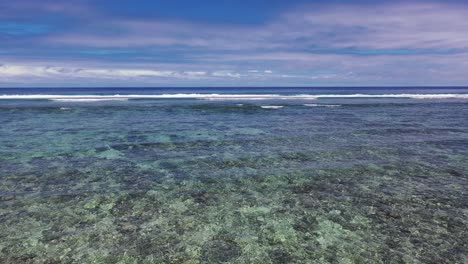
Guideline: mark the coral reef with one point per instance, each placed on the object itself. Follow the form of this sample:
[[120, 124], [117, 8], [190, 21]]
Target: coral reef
[[210, 183]]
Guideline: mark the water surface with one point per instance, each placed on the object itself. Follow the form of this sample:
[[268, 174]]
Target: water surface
[[271, 180]]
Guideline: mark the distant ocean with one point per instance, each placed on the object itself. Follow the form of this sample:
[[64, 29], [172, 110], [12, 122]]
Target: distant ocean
[[234, 175]]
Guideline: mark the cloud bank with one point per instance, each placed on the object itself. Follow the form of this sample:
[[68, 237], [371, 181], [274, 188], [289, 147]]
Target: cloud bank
[[398, 43]]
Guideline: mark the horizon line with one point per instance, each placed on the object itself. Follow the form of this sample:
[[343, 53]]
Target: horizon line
[[242, 87]]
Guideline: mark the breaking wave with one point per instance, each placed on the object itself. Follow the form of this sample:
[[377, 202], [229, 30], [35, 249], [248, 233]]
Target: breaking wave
[[94, 98]]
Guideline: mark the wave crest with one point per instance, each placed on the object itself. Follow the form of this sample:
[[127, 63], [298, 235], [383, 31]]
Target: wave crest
[[117, 97]]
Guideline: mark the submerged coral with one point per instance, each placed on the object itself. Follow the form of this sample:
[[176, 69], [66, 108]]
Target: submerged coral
[[214, 184]]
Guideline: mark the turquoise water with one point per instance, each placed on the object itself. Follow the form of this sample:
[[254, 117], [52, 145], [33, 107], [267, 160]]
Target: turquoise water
[[227, 180]]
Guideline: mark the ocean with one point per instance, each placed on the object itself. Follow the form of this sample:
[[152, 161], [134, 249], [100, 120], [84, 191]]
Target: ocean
[[234, 175]]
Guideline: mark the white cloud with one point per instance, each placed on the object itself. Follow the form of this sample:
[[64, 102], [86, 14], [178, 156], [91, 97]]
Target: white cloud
[[50, 72], [195, 73], [226, 74]]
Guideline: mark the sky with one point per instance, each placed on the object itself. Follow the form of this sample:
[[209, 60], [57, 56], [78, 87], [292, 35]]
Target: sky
[[213, 43]]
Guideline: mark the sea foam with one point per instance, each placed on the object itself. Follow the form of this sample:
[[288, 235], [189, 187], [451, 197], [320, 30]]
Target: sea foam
[[87, 99], [322, 105], [94, 98], [271, 106]]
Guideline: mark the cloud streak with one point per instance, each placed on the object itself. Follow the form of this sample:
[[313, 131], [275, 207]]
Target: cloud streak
[[13, 72], [409, 43], [413, 26]]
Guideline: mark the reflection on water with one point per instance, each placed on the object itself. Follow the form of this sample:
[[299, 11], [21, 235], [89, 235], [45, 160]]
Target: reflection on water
[[187, 181]]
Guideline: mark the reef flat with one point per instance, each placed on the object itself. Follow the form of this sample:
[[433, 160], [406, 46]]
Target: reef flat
[[190, 181]]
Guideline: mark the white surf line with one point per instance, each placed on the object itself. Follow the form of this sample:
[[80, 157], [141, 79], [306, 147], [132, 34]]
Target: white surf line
[[413, 96], [231, 96], [160, 96], [322, 105], [271, 106], [87, 99]]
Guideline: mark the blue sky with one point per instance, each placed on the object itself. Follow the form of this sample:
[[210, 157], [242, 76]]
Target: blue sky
[[233, 43]]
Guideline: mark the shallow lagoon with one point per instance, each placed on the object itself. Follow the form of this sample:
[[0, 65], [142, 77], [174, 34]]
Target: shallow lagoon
[[194, 181]]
